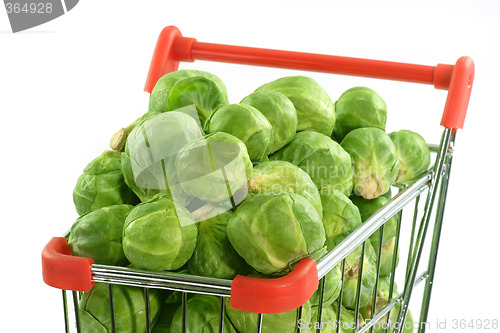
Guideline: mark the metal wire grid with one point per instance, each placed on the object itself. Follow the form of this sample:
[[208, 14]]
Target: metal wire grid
[[433, 182]]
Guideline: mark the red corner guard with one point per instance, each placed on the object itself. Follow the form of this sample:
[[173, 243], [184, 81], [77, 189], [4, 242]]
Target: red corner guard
[[170, 48], [275, 295], [62, 270], [459, 92]]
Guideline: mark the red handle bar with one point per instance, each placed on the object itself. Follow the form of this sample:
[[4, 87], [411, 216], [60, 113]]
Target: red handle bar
[[62, 270], [173, 48]]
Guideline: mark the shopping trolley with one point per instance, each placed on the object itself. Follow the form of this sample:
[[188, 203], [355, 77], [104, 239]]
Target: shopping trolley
[[427, 195]]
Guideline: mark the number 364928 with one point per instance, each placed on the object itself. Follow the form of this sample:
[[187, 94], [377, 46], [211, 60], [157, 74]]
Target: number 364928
[[29, 8]]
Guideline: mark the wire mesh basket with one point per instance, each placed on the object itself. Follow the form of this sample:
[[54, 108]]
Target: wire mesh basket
[[422, 204]]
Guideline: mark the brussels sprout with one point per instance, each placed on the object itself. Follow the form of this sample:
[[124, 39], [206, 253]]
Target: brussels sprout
[[315, 110], [98, 235], [188, 92], [284, 322], [326, 162], [159, 235], [383, 325], [214, 168], [202, 315], [247, 124], [340, 217], [367, 208], [356, 108], [333, 285], [164, 322], [374, 159], [329, 321], [201, 91], [102, 184], [351, 272], [413, 154], [129, 309], [148, 162], [214, 256], [280, 112], [273, 232], [387, 256], [159, 94], [284, 177]]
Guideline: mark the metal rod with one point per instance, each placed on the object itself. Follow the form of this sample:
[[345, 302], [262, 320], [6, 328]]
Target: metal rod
[[259, 323], [438, 169], [395, 259], [375, 287], [360, 282], [184, 306], [387, 309], [354, 240], [182, 282], [339, 308], [77, 313], [412, 235], [111, 308], [431, 269], [299, 317], [148, 310], [65, 309], [380, 315], [221, 315], [321, 290]]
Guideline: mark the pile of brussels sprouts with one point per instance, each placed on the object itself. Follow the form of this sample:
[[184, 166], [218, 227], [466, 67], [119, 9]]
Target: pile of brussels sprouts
[[200, 186]]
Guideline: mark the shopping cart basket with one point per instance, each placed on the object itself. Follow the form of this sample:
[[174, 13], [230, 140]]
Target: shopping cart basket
[[262, 296]]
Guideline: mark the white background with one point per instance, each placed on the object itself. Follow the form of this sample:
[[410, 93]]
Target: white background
[[68, 85]]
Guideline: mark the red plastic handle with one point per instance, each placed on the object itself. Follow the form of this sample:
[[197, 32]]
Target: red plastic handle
[[459, 92], [62, 270], [172, 48], [275, 295]]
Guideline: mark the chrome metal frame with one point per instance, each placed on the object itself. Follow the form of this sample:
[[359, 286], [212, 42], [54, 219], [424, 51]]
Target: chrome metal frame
[[433, 182]]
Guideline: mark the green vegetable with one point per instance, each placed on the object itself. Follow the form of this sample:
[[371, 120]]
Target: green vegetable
[[413, 155], [214, 256], [382, 301], [274, 177], [164, 322], [326, 162], [247, 124], [148, 162], [356, 108], [333, 284], [185, 87], [340, 217], [213, 168], [202, 316], [206, 93], [284, 322], [280, 112], [159, 94], [315, 110], [98, 235], [374, 159], [102, 184], [329, 322], [369, 207], [129, 309], [351, 273], [387, 256], [159, 235], [273, 232]]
